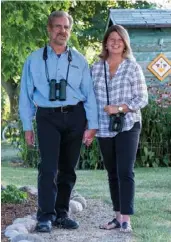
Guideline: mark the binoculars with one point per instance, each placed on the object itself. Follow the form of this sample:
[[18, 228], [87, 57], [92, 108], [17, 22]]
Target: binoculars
[[116, 122], [61, 87]]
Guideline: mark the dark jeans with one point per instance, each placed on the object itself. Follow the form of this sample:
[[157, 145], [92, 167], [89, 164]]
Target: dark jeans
[[119, 155], [60, 138]]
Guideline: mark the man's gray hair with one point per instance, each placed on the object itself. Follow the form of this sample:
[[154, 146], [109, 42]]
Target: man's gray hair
[[59, 14]]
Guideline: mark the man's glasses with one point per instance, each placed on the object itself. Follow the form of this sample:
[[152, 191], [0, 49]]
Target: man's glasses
[[61, 27]]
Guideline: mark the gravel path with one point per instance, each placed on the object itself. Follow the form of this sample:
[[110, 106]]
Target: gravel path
[[96, 213]]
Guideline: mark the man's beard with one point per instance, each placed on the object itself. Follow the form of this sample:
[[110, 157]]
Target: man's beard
[[60, 42]]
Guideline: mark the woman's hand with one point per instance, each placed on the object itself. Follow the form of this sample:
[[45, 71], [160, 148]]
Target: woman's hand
[[111, 109]]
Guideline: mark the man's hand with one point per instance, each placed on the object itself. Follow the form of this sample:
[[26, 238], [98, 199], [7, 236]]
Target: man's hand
[[89, 136], [29, 137]]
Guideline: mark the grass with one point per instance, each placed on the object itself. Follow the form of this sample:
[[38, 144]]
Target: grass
[[152, 219]]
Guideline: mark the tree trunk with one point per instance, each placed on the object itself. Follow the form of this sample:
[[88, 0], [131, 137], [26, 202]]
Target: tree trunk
[[11, 89]]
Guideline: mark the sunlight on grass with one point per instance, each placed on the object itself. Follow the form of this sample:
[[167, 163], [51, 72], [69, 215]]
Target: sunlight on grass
[[152, 219], [18, 176]]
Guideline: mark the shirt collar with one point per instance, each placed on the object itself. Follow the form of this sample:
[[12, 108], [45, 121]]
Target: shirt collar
[[51, 51]]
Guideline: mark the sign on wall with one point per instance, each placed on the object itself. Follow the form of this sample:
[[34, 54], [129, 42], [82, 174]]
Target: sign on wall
[[160, 67]]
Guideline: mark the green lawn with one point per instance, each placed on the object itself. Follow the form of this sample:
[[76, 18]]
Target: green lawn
[[152, 220]]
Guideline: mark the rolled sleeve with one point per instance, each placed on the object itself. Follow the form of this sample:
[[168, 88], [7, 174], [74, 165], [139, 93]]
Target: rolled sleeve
[[139, 90], [90, 103]]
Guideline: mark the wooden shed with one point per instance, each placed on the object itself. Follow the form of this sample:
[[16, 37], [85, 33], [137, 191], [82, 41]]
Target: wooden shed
[[150, 34]]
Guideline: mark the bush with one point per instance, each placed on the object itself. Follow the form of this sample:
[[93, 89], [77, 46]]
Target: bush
[[30, 155], [155, 139], [13, 195], [90, 157], [154, 148]]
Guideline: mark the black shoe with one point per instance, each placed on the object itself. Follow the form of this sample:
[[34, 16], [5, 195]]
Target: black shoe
[[126, 227], [44, 226], [66, 223], [114, 224]]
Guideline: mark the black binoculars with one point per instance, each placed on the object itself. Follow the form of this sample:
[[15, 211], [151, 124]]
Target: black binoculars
[[116, 122], [61, 87]]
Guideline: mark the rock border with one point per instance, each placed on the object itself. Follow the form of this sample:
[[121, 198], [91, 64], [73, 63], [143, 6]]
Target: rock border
[[21, 229]]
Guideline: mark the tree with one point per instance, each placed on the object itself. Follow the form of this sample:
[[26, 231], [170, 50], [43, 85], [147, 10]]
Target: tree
[[24, 30]]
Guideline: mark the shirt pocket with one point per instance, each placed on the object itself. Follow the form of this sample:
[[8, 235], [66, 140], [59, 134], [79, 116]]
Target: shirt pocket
[[74, 76], [38, 74]]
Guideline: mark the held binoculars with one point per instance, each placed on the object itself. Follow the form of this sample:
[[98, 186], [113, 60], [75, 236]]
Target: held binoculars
[[116, 122], [61, 87]]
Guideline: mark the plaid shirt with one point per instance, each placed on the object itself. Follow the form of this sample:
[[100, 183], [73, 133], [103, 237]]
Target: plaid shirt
[[127, 86]]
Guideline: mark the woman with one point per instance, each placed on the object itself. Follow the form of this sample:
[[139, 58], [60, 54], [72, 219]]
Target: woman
[[121, 92]]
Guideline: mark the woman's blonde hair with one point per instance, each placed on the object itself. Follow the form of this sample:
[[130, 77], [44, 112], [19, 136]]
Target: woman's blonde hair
[[124, 35]]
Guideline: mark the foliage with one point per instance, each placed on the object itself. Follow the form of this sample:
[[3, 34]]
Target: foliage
[[24, 30], [90, 157], [155, 141], [13, 195], [30, 155], [24, 27], [4, 108]]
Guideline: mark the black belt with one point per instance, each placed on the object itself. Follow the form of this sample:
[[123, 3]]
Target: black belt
[[62, 109]]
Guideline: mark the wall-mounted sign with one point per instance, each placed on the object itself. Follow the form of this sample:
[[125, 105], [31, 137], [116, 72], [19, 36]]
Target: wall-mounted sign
[[160, 67]]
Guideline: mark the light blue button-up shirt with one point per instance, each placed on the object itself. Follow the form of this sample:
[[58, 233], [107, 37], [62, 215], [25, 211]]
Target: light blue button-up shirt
[[35, 87]]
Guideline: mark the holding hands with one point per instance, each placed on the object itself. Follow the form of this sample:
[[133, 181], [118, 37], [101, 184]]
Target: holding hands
[[89, 136]]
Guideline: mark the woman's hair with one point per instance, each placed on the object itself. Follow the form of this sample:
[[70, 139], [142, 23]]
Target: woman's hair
[[58, 14], [124, 35]]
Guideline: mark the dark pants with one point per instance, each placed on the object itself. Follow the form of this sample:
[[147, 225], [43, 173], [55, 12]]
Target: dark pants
[[119, 155], [60, 138]]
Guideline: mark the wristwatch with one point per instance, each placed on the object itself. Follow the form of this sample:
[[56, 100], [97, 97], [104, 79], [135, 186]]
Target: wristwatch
[[120, 109]]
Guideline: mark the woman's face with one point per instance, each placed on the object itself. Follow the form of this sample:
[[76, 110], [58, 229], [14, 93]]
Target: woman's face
[[115, 44]]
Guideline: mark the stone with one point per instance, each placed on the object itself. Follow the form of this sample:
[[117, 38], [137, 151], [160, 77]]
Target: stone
[[81, 200], [24, 240], [29, 224], [11, 233], [33, 216], [74, 194], [30, 189], [27, 237], [75, 206], [18, 227]]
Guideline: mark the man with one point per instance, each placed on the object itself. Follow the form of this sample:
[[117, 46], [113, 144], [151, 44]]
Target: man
[[56, 82]]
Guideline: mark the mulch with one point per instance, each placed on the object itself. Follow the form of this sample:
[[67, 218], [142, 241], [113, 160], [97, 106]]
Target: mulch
[[9, 212]]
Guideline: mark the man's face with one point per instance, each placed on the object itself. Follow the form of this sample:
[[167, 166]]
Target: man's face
[[59, 31]]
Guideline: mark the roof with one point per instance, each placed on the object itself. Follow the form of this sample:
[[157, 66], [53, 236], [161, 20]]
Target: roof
[[144, 18]]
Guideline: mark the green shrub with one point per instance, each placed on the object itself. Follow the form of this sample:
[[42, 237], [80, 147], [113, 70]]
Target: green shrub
[[13, 195], [154, 148], [90, 157], [30, 155], [155, 139]]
